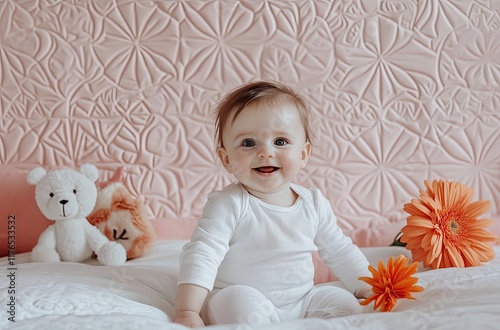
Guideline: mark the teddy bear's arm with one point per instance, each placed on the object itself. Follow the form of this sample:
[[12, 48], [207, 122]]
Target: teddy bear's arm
[[48, 238], [108, 252], [95, 238], [45, 250]]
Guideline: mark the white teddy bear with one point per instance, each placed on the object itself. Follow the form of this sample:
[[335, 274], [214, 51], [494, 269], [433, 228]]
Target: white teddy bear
[[67, 196]]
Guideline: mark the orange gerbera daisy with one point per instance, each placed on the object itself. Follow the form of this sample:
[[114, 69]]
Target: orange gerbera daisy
[[391, 283], [442, 229]]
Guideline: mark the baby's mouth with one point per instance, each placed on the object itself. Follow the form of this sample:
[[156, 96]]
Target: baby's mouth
[[266, 169]]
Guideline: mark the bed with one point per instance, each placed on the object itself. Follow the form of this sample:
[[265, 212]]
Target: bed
[[140, 295], [399, 92]]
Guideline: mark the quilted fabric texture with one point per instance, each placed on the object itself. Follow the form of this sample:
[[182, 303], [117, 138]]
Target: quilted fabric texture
[[400, 92]]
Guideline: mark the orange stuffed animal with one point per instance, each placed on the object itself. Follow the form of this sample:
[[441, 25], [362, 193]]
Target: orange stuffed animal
[[122, 218]]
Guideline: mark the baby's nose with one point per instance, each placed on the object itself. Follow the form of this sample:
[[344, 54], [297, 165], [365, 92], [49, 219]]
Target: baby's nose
[[265, 151]]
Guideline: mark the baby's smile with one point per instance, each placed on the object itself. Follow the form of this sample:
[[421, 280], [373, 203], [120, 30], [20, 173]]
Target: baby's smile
[[266, 169]]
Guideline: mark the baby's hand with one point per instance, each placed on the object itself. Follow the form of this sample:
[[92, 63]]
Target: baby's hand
[[363, 292], [189, 318]]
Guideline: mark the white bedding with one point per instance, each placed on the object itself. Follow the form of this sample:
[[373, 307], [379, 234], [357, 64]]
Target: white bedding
[[140, 295]]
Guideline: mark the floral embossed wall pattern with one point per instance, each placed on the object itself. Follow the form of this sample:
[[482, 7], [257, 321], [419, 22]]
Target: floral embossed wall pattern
[[400, 92]]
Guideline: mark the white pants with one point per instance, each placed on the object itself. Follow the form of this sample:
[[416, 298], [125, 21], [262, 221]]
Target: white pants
[[244, 304]]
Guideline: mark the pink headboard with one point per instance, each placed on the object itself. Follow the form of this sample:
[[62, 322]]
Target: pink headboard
[[400, 92]]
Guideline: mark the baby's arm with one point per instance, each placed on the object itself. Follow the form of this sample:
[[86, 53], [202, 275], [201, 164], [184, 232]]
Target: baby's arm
[[188, 303], [201, 258], [343, 257]]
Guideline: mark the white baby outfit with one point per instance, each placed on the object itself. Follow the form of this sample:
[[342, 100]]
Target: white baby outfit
[[256, 258]]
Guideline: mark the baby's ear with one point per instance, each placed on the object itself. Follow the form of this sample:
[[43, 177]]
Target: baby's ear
[[306, 153], [224, 158]]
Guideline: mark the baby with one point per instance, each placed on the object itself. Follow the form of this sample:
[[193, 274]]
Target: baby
[[250, 257]]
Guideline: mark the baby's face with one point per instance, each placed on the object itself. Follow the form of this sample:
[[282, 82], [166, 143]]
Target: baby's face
[[265, 147]]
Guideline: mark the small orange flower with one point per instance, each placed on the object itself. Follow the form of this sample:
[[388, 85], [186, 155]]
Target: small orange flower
[[442, 229], [391, 283]]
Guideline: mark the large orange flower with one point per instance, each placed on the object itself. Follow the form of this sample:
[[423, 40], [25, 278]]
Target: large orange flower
[[442, 229], [391, 283]]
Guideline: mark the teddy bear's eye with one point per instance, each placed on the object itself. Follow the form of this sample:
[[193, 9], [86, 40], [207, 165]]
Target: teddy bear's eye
[[74, 191], [51, 194]]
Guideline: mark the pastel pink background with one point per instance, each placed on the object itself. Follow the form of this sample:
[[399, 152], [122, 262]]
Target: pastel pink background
[[400, 92]]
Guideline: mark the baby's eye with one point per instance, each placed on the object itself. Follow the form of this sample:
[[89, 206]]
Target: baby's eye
[[248, 143], [281, 142]]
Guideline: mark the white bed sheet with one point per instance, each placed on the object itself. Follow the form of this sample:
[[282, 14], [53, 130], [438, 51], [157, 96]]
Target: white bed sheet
[[141, 294]]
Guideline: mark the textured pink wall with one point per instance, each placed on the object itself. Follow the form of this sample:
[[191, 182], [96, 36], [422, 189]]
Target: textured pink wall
[[401, 91]]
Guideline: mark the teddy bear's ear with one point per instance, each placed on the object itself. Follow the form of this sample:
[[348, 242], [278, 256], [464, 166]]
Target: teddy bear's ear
[[35, 175], [90, 171]]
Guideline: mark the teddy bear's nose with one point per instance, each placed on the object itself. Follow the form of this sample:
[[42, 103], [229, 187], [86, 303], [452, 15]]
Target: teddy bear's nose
[[63, 201]]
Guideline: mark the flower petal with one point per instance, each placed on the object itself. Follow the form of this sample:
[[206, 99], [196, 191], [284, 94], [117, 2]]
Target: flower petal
[[454, 255], [477, 208], [419, 210], [418, 221]]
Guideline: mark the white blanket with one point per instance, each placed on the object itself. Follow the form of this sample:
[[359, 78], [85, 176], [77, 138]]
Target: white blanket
[[141, 294]]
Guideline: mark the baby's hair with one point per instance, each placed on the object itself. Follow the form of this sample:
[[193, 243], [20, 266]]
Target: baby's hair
[[261, 91]]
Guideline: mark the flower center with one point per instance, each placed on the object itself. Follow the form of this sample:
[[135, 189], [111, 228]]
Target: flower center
[[454, 226]]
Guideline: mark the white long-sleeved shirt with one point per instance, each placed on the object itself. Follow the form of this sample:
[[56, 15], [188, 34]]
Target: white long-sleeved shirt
[[243, 240]]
